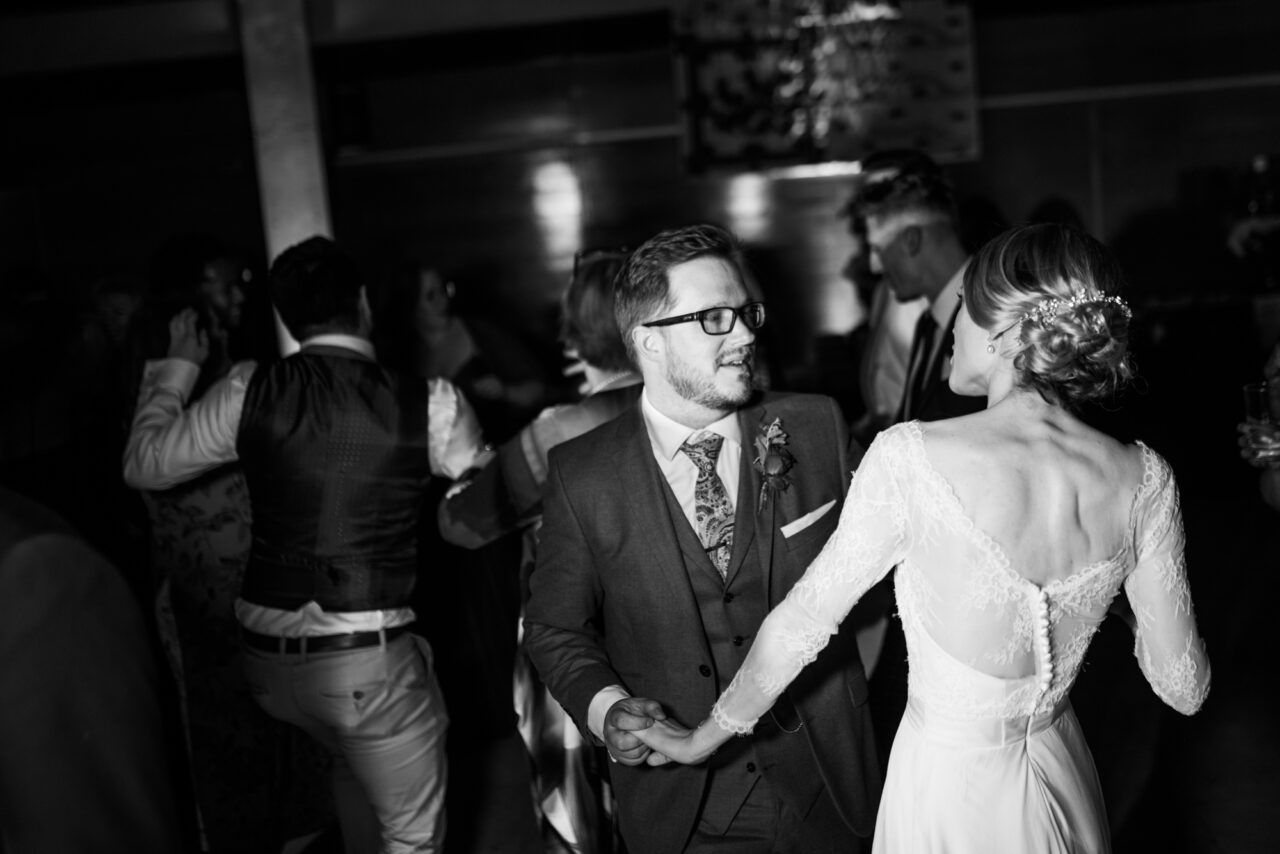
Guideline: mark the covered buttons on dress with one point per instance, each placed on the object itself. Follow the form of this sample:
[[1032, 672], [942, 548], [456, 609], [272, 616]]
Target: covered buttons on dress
[[1042, 643]]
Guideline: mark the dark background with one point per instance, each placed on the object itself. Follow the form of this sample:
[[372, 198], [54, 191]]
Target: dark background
[[493, 139]]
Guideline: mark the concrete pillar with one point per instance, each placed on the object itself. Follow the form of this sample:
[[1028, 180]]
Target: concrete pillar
[[282, 105]]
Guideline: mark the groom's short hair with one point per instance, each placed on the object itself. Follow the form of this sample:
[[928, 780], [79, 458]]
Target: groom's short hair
[[643, 286]]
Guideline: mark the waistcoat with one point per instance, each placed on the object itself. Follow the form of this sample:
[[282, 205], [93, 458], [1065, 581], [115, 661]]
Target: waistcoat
[[731, 610], [334, 449]]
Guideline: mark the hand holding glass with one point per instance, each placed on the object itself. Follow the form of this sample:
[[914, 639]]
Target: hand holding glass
[[1260, 432]]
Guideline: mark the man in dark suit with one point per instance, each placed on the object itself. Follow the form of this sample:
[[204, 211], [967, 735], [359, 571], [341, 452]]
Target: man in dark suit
[[337, 455], [82, 764], [914, 241], [663, 546], [915, 244]]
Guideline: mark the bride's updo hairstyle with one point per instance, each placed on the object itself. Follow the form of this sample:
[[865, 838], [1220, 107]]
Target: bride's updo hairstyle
[[1047, 295]]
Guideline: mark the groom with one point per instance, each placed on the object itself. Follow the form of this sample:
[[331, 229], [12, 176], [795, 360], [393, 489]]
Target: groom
[[663, 547]]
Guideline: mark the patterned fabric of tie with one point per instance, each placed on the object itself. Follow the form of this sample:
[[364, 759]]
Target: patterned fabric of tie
[[918, 371], [712, 509]]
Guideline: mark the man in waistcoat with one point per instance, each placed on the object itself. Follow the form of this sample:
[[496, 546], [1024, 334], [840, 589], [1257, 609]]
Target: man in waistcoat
[[664, 544], [336, 453]]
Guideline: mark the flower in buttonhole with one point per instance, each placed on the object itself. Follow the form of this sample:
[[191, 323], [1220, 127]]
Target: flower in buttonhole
[[773, 460]]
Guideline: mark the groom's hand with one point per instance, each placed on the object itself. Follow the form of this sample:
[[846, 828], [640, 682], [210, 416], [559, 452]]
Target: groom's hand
[[624, 718]]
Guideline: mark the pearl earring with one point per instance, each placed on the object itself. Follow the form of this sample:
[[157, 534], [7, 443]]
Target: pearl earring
[[991, 346]]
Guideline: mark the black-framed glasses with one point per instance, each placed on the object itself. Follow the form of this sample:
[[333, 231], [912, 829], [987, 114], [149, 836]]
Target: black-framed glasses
[[590, 256], [719, 320]]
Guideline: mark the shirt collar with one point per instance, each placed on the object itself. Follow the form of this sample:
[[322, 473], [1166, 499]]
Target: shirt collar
[[667, 434], [944, 305], [363, 346]]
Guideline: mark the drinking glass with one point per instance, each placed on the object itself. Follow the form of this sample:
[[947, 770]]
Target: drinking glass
[[1262, 420]]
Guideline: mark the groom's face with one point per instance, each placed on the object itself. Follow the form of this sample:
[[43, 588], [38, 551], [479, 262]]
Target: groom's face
[[714, 371]]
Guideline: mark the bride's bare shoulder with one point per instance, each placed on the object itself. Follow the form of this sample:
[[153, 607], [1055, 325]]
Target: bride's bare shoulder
[[966, 431], [1125, 462]]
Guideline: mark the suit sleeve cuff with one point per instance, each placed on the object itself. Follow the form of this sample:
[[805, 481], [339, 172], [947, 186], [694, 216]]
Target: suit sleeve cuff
[[600, 704]]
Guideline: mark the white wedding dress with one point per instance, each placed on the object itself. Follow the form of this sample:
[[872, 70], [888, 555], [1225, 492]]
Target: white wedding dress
[[982, 763]]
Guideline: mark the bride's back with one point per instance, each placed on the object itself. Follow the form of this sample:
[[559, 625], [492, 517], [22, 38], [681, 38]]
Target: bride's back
[[1052, 493], [1019, 531]]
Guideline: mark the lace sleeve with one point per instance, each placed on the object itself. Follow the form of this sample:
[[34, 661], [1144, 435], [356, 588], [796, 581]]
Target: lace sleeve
[[1167, 644], [867, 543]]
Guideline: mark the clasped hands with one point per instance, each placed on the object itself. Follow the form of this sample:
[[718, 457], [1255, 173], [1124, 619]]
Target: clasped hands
[[638, 732]]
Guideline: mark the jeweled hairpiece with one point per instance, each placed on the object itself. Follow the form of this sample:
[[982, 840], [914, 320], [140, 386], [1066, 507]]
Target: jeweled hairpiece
[[1051, 308]]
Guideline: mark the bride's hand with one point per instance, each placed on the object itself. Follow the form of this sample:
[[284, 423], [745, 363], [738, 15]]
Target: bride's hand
[[671, 742]]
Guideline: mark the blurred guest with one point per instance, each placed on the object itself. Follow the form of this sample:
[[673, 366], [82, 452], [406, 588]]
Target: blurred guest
[[469, 600], [886, 348], [198, 271], [432, 337], [913, 243], [336, 452], [82, 764], [115, 300], [1260, 440], [103, 405], [200, 537], [506, 495]]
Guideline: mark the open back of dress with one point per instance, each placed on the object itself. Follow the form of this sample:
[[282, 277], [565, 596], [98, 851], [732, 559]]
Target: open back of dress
[[989, 756]]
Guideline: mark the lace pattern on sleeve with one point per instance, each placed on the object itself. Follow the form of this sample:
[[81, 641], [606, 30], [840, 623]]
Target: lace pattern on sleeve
[[1167, 643], [1178, 681], [730, 724], [866, 544]]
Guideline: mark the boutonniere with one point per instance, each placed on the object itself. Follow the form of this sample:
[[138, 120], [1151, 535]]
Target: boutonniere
[[773, 461]]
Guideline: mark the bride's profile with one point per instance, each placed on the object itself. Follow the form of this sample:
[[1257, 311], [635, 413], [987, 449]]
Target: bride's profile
[[1012, 530]]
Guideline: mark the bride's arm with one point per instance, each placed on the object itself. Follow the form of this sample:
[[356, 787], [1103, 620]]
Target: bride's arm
[[869, 540], [1167, 644]]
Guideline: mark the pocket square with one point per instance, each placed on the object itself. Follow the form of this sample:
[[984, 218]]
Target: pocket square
[[792, 528]]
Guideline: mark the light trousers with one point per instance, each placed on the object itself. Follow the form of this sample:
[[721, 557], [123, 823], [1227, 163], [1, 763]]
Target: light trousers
[[380, 713]]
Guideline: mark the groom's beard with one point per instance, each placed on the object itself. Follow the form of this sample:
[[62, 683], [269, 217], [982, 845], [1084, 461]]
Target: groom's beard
[[726, 387]]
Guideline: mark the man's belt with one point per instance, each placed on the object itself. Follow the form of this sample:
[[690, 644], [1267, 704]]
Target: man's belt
[[319, 643]]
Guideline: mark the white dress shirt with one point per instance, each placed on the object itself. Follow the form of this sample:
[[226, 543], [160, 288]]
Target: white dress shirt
[[887, 353], [666, 436], [171, 443]]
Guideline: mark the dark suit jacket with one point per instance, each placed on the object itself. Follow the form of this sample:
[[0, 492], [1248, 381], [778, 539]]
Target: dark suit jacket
[[82, 764], [612, 604], [936, 399]]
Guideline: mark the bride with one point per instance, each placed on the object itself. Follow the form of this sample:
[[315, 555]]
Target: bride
[[1012, 530]]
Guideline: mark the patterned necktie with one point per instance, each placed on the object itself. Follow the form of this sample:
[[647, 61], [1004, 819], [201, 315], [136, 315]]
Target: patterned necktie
[[712, 509], [918, 370]]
